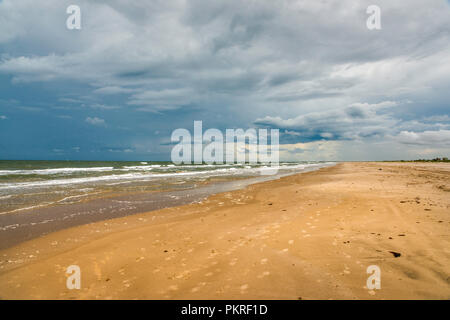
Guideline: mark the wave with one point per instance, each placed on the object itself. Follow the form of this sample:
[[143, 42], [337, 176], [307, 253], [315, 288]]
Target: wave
[[54, 171], [129, 176], [122, 178]]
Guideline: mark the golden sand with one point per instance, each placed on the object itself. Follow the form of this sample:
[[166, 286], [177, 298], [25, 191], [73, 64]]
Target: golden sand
[[308, 236]]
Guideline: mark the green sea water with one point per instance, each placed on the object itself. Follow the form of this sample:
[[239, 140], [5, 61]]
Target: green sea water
[[30, 184]]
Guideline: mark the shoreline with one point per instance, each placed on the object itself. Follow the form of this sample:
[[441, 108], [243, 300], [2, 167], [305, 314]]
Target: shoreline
[[309, 236], [18, 227]]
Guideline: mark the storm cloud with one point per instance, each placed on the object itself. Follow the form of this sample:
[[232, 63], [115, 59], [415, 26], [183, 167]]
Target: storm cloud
[[309, 68]]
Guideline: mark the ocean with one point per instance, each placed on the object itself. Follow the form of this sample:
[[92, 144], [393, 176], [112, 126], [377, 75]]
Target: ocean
[[29, 184]]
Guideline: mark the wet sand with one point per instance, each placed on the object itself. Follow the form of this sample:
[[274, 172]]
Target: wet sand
[[307, 236], [28, 224]]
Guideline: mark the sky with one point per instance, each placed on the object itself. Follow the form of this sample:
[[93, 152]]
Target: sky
[[137, 70]]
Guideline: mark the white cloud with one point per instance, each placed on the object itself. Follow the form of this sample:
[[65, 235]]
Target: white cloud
[[360, 120], [3, 117], [438, 118], [158, 100], [440, 138], [110, 90], [317, 150], [103, 106], [380, 105], [95, 121]]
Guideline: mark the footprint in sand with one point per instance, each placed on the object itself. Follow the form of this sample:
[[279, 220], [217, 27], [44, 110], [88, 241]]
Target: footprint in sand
[[264, 274], [173, 287], [125, 283], [97, 271], [264, 261], [233, 262], [243, 288]]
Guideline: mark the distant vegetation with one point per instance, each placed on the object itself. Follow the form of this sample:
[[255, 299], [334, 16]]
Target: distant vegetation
[[445, 159]]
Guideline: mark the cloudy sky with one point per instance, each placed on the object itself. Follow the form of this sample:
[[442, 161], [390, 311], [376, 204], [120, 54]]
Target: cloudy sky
[[137, 70]]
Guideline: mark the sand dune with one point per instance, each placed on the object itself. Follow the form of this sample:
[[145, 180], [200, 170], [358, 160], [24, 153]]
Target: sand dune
[[308, 236]]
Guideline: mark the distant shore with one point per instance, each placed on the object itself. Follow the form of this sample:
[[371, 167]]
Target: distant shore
[[305, 236]]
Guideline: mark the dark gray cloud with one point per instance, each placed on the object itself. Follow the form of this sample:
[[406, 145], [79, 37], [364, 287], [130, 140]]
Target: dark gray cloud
[[354, 122]]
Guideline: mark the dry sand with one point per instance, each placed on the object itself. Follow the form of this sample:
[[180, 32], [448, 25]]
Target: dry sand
[[308, 236]]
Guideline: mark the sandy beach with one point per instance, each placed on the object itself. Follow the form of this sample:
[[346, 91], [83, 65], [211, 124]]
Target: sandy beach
[[306, 236]]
